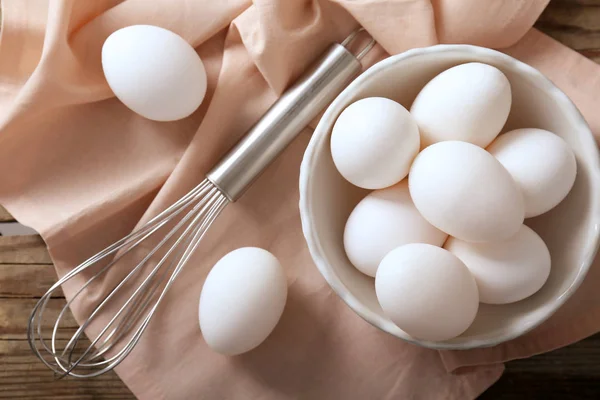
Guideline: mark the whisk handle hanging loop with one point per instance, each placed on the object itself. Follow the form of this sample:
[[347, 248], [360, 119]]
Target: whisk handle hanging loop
[[286, 118]]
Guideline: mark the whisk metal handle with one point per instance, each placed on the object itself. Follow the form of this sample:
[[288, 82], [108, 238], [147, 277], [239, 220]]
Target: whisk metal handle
[[286, 118]]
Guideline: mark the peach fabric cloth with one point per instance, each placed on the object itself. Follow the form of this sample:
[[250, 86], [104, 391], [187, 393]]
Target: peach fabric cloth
[[83, 170]]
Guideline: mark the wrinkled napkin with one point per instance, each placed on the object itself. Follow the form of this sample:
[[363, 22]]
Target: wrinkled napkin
[[83, 170]]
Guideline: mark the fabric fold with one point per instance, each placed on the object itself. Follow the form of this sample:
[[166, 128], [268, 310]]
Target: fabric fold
[[83, 170], [496, 24]]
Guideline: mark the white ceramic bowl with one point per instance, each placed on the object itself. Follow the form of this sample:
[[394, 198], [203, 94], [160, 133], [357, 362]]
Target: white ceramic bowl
[[571, 230]]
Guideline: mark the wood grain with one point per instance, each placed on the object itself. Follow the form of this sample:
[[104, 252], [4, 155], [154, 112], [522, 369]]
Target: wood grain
[[5, 216], [26, 272], [25, 280], [23, 250], [14, 315], [575, 23], [572, 372], [23, 376]]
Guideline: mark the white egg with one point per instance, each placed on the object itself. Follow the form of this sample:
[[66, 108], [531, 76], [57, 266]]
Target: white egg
[[464, 191], [505, 271], [427, 292], [242, 300], [373, 143], [154, 72], [542, 164], [469, 102], [382, 221]]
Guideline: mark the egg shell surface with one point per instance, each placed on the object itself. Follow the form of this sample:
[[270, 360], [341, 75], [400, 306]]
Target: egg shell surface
[[469, 102], [464, 191], [242, 300], [373, 142], [505, 271], [382, 221], [154, 72], [427, 292], [542, 164]]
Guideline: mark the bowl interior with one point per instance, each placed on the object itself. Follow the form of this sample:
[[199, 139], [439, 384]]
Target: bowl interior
[[570, 230]]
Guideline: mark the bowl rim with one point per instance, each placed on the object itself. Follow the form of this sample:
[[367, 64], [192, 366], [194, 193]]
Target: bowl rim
[[316, 250]]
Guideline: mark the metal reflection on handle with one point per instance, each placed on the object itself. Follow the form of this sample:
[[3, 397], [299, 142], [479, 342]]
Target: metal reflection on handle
[[286, 118]]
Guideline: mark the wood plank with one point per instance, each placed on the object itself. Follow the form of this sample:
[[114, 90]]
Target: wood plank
[[14, 316], [572, 372], [569, 18], [29, 249], [575, 25], [5, 215], [546, 386], [579, 359], [26, 280], [592, 54], [22, 376], [576, 3]]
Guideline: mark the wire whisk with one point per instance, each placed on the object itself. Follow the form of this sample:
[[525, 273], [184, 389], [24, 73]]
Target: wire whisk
[[122, 315], [200, 207]]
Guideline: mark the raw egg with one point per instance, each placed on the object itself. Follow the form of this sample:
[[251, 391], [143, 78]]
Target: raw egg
[[542, 164], [373, 142], [468, 102], [505, 271], [427, 292], [382, 221], [464, 191], [154, 72], [242, 300]]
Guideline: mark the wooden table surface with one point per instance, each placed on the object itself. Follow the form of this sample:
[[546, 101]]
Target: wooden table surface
[[26, 272]]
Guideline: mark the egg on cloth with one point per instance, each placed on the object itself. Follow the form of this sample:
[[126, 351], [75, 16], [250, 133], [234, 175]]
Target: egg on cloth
[[464, 191], [242, 300], [427, 292], [469, 102], [505, 271], [542, 164], [373, 142], [382, 221], [154, 72]]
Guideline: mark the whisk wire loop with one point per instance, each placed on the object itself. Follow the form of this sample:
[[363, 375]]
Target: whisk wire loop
[[200, 207]]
